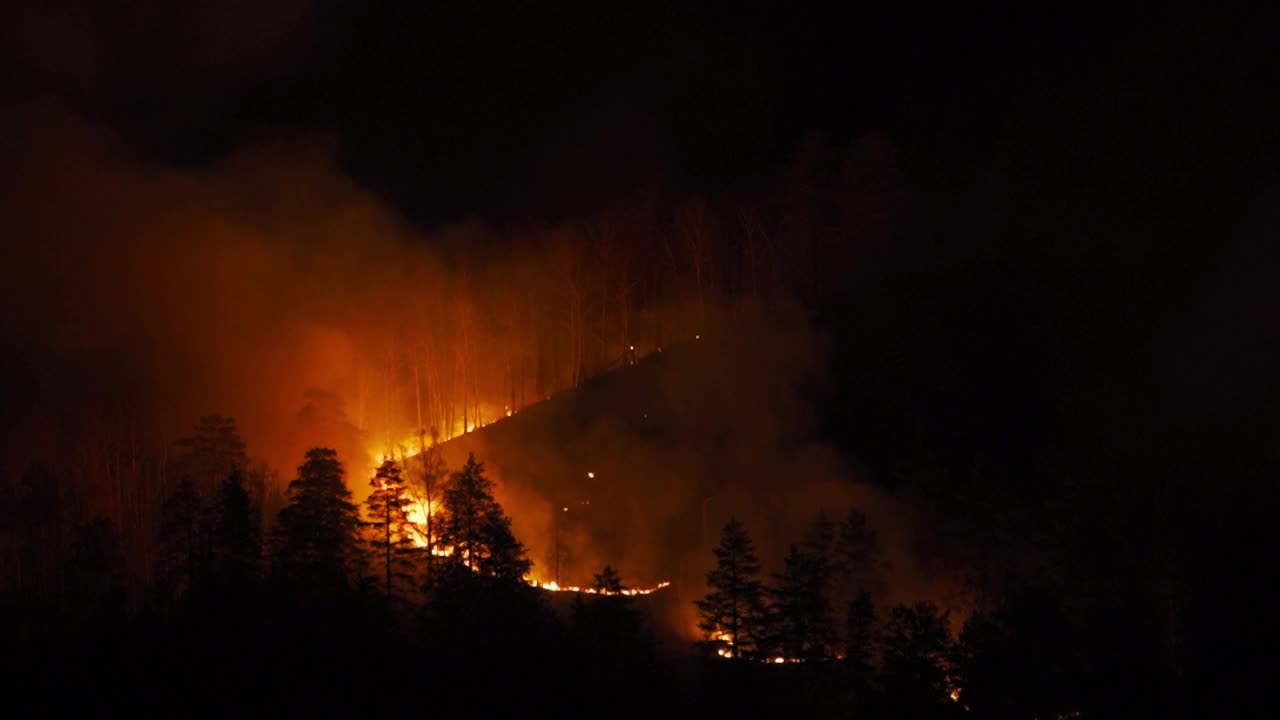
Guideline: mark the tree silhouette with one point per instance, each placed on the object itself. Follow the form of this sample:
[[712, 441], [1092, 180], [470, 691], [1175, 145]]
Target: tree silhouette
[[235, 536], [210, 452], [504, 556], [916, 644], [734, 609], [1018, 660], [476, 527], [40, 514], [316, 542], [96, 567], [800, 610], [608, 580], [182, 530], [607, 627], [856, 563], [392, 531], [425, 488], [860, 640]]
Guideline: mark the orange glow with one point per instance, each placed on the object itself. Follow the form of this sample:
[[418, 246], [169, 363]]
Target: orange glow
[[553, 586]]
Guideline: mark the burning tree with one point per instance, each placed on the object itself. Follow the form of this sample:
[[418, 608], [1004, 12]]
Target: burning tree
[[316, 541], [733, 612], [425, 489], [476, 528], [392, 536]]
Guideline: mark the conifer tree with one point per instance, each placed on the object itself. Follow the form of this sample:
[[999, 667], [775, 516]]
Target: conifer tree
[[391, 536], [801, 607], [182, 530], [235, 534], [316, 540], [208, 454], [860, 638], [856, 563], [476, 528], [607, 626], [733, 611], [96, 567], [916, 643], [800, 610], [608, 580], [504, 556]]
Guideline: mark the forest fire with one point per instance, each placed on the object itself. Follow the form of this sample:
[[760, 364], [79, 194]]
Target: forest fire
[[421, 512], [552, 586]]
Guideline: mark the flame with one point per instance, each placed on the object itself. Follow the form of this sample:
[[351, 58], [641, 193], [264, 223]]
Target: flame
[[728, 651], [411, 446], [553, 586], [727, 639]]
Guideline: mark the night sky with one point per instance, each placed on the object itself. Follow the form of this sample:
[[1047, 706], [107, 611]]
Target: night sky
[[517, 111], [1003, 276], [1121, 164]]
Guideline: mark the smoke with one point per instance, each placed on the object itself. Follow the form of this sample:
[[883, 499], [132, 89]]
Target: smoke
[[271, 288], [641, 469], [238, 289]]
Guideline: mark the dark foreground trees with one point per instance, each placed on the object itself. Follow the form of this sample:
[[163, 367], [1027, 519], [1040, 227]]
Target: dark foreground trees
[[391, 531], [477, 529], [316, 543], [733, 613], [235, 535]]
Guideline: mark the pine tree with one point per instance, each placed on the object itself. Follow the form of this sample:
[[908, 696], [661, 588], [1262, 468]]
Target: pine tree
[[916, 643], [504, 556], [476, 528], [608, 580], [235, 534], [392, 531], [96, 567], [182, 541], [607, 627], [733, 612], [859, 639], [316, 539], [856, 564], [801, 606], [214, 449]]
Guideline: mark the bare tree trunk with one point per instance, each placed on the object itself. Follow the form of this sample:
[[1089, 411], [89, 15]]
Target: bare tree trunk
[[417, 386]]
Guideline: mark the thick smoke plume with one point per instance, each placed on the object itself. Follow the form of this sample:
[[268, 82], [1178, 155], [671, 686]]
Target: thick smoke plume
[[273, 289]]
